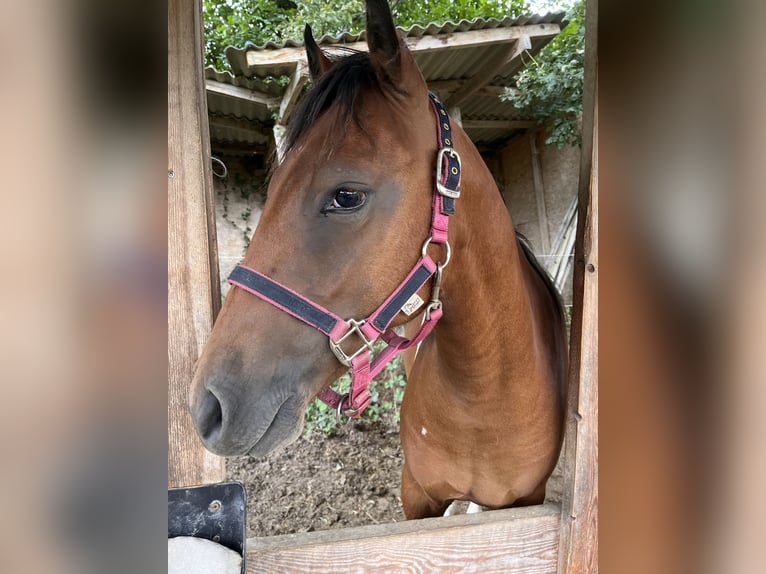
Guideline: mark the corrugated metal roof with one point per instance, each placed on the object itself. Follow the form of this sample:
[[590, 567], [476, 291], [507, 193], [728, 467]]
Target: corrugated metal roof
[[416, 31], [236, 122], [256, 84], [442, 68]]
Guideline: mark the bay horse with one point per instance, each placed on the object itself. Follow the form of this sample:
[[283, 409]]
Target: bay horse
[[380, 205]]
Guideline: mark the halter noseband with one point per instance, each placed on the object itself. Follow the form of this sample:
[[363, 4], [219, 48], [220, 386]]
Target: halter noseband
[[403, 299]]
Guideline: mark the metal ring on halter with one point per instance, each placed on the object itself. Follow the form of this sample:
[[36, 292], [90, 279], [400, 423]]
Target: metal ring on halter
[[424, 252], [432, 306], [340, 412]]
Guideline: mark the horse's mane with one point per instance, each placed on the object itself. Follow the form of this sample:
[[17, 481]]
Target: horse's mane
[[349, 77]]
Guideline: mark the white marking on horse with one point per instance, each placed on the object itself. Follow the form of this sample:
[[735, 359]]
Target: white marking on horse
[[423, 431]]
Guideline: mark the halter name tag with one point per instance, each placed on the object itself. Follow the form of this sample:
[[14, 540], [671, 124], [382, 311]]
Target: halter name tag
[[412, 304]]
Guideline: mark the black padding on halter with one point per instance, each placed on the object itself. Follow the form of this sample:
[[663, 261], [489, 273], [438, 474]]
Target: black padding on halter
[[413, 284], [277, 294]]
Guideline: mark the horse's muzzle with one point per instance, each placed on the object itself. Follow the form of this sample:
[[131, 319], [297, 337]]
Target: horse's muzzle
[[231, 427]]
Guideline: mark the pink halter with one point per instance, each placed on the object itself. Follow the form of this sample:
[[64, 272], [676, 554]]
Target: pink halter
[[403, 299]]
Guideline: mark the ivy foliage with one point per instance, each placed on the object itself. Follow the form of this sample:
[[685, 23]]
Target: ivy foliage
[[549, 88]]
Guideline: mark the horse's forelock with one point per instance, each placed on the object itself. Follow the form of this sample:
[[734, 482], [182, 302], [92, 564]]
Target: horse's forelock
[[342, 85]]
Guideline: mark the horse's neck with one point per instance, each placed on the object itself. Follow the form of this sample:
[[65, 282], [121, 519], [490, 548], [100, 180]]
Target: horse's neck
[[486, 304]]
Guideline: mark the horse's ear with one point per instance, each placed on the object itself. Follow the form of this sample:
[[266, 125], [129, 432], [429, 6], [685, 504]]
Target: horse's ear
[[388, 53], [318, 62]]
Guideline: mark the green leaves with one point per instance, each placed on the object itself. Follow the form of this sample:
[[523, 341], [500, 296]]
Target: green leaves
[[387, 392], [234, 22], [549, 88], [409, 12]]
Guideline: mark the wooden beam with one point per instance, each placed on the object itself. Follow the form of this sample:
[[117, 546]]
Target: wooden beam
[[449, 86], [499, 124], [299, 78], [193, 285], [562, 247], [519, 540], [457, 115], [222, 89], [244, 125], [488, 71], [279, 131], [239, 148], [425, 44], [578, 552], [537, 181]]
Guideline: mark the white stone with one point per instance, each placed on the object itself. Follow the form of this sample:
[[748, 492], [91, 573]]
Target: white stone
[[191, 555]]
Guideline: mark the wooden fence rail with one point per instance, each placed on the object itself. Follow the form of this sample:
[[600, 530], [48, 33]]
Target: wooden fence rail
[[519, 540]]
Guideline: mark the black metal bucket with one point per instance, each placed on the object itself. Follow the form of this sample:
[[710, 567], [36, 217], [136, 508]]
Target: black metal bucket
[[212, 511]]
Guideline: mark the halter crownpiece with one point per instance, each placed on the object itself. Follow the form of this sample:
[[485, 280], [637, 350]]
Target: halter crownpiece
[[403, 299]]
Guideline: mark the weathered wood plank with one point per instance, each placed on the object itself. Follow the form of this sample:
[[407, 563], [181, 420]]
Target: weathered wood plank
[[457, 115], [240, 93], [499, 124], [522, 540], [449, 86], [193, 288], [256, 58], [578, 553], [243, 125], [290, 97]]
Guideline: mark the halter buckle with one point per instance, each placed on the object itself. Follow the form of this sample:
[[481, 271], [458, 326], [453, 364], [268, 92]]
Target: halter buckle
[[338, 350], [440, 187]]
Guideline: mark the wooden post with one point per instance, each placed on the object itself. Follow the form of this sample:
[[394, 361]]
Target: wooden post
[[457, 115], [193, 288], [537, 179], [279, 142], [578, 547]]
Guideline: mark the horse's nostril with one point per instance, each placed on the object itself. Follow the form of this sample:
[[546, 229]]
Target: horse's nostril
[[209, 416]]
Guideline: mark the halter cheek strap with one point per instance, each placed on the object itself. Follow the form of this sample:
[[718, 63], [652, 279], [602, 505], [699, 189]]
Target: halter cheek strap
[[403, 299]]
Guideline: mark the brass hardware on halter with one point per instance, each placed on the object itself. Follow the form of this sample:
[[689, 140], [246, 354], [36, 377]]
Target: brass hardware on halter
[[441, 188], [340, 412], [435, 302], [338, 350]]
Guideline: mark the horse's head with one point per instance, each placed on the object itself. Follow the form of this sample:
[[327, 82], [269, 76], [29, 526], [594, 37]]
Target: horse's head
[[347, 212]]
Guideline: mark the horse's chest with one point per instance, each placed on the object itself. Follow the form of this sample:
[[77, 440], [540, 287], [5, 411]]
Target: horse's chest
[[464, 460], [438, 457]]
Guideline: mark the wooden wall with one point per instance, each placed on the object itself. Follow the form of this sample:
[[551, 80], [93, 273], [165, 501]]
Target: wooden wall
[[539, 186], [193, 290], [578, 549]]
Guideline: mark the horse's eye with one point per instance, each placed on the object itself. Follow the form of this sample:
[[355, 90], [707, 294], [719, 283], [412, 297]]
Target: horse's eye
[[347, 199]]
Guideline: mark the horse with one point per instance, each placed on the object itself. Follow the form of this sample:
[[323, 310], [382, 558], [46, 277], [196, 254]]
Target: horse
[[380, 205]]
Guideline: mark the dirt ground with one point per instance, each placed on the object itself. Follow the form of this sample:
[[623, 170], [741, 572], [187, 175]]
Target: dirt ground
[[348, 478]]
